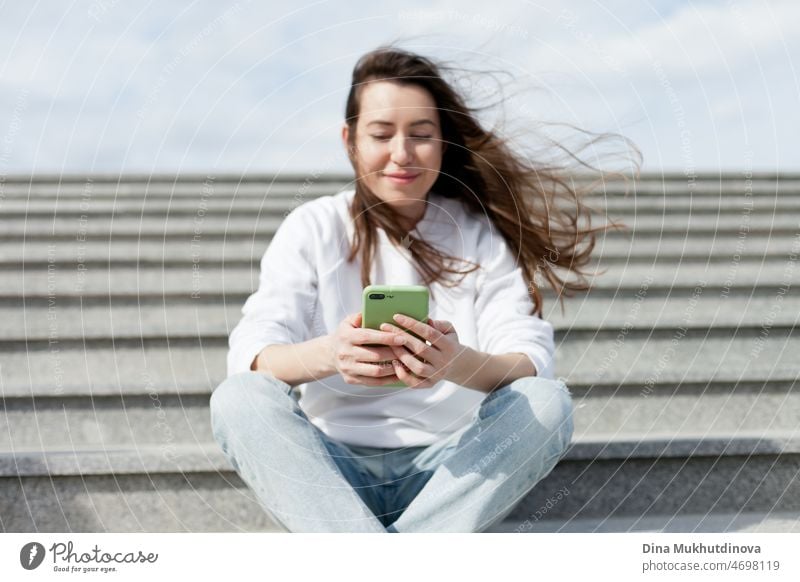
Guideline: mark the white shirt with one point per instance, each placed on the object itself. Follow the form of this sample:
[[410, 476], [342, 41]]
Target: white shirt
[[307, 288]]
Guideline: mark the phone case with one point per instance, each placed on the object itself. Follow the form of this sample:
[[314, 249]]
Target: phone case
[[381, 302]]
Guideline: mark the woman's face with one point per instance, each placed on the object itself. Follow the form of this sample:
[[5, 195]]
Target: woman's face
[[398, 135]]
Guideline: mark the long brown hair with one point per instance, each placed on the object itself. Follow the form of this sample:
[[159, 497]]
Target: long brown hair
[[535, 205]]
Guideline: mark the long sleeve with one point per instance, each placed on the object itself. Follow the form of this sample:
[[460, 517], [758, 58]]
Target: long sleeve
[[281, 311], [503, 305]]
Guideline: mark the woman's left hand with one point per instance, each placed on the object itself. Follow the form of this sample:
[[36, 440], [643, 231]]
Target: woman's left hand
[[418, 364]]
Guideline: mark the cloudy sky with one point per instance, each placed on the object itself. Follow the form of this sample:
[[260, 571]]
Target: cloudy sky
[[110, 86]]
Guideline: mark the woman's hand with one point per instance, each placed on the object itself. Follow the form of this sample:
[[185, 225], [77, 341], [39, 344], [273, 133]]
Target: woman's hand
[[419, 364], [359, 363]]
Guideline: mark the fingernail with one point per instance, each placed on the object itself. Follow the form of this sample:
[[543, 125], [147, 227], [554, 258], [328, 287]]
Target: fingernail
[[398, 317]]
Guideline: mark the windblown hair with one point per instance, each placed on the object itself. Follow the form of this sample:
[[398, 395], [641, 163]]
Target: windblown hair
[[535, 205]]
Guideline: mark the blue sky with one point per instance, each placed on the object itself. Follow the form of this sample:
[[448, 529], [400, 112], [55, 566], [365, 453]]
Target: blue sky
[[111, 86]]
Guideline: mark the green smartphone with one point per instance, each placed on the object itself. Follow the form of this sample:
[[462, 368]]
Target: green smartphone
[[381, 302]]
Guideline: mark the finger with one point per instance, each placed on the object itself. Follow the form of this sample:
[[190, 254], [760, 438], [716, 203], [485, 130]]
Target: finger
[[398, 352], [355, 319], [414, 344], [373, 371], [420, 328], [417, 366], [443, 326], [368, 336], [407, 376], [371, 354]]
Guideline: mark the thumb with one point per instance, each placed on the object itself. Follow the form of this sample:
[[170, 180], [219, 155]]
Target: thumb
[[355, 319]]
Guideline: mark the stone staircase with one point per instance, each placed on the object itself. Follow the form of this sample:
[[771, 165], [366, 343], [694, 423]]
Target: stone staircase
[[117, 296]]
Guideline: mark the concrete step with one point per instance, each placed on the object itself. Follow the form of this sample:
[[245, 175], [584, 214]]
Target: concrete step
[[120, 321], [149, 489], [201, 281], [623, 411], [90, 192], [156, 319], [732, 522], [655, 477], [103, 367], [262, 225], [643, 359], [193, 487], [249, 250], [234, 204], [709, 408], [287, 186]]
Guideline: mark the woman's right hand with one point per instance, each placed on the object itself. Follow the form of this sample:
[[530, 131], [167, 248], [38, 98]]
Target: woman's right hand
[[361, 364]]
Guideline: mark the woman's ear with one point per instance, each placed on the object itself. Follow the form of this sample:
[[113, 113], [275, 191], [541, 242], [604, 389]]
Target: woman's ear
[[351, 151]]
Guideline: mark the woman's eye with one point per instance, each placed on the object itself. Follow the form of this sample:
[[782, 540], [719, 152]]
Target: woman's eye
[[385, 137]]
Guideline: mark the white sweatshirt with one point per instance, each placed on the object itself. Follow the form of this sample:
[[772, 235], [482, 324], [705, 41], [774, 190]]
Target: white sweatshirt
[[307, 288]]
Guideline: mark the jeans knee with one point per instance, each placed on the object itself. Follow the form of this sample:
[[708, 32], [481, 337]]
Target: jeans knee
[[552, 404], [242, 394]]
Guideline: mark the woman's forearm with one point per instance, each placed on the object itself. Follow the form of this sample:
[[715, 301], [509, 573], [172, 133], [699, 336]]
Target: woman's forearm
[[487, 372], [297, 363]]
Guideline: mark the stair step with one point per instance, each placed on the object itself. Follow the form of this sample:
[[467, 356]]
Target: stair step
[[649, 185], [164, 419], [166, 190], [194, 488], [192, 365], [739, 522], [272, 203], [161, 319], [102, 368], [266, 224], [249, 250], [198, 280], [672, 476]]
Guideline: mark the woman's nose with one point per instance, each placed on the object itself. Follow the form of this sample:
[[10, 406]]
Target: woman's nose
[[401, 150]]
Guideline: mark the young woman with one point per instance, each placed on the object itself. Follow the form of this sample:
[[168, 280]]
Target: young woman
[[482, 420]]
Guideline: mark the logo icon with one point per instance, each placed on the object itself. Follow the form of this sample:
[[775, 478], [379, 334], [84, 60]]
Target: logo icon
[[31, 555]]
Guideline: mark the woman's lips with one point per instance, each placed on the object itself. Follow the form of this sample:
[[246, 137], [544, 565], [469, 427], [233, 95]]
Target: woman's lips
[[402, 180]]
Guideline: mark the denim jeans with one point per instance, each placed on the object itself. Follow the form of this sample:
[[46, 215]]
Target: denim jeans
[[466, 482]]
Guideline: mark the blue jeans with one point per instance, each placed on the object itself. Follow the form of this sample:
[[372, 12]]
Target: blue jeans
[[466, 482]]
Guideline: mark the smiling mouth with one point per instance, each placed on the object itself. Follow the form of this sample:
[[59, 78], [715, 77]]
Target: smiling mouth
[[403, 177]]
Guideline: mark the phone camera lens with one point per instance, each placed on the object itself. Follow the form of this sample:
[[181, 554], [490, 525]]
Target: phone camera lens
[[376, 295]]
